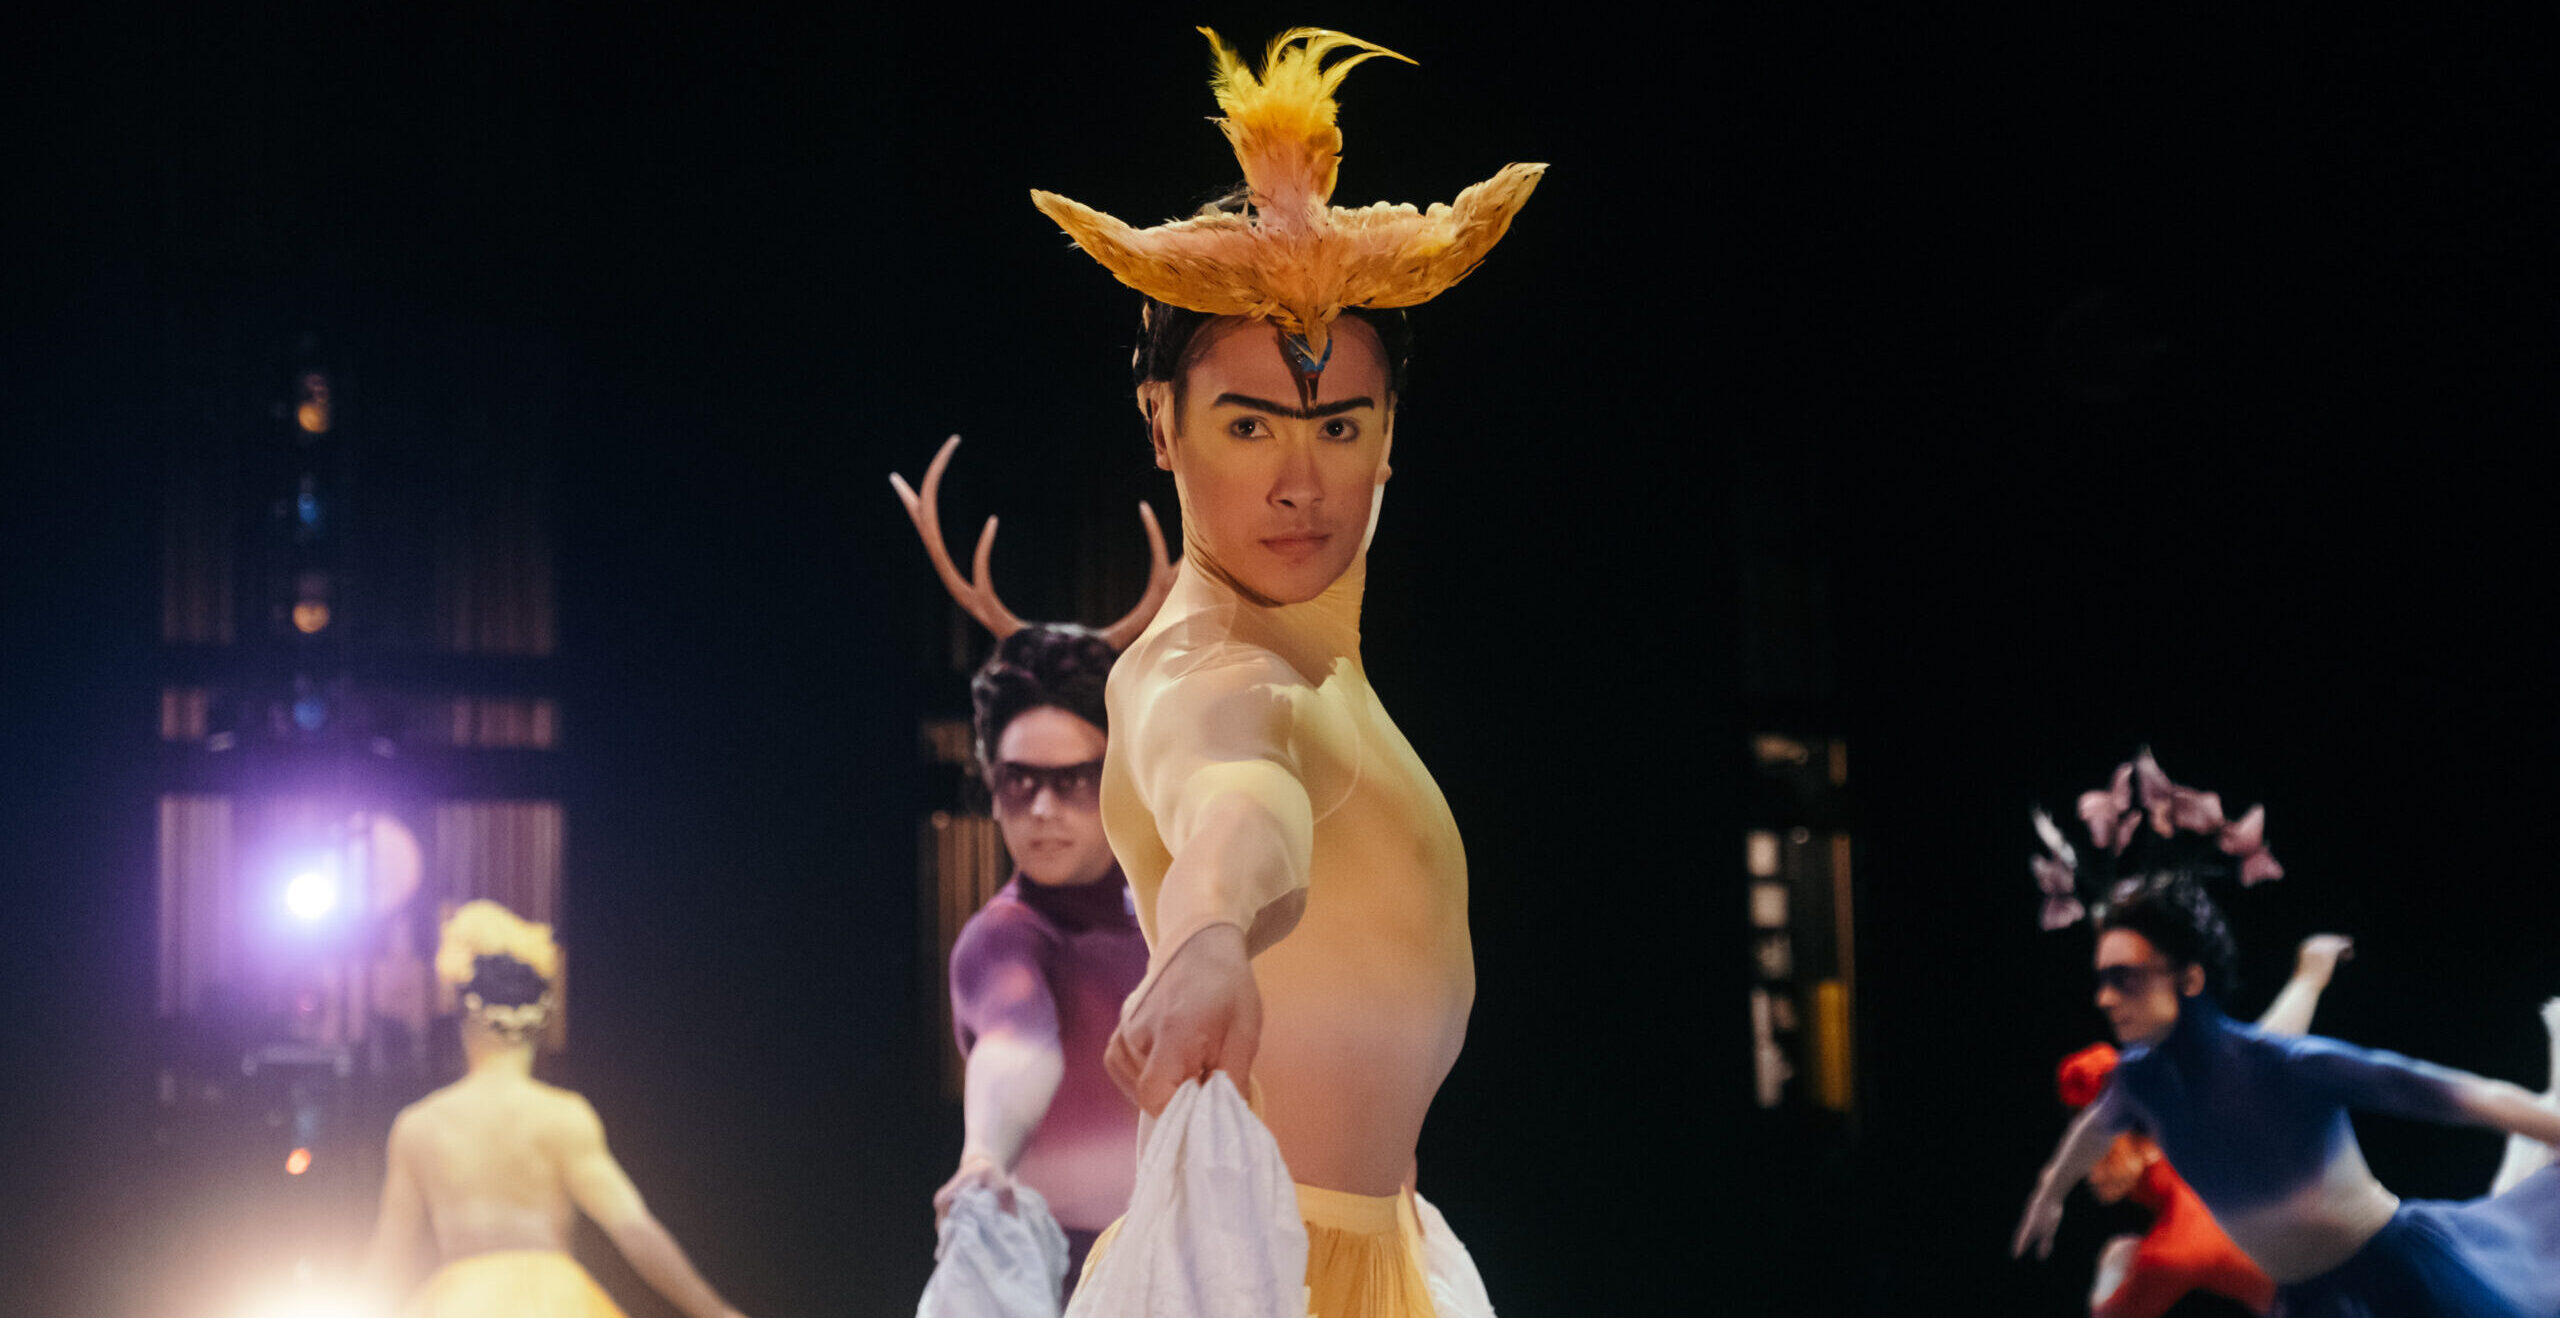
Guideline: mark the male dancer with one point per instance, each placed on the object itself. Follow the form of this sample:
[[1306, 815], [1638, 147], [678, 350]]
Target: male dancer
[[1039, 972], [493, 1162], [2143, 1276], [1298, 873]]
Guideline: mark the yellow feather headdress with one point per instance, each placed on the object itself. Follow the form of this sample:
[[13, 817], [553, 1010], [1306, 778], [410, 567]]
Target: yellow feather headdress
[[484, 928], [1293, 258]]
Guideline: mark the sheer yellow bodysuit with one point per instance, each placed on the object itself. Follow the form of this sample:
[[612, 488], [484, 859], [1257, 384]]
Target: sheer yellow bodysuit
[[1254, 779]]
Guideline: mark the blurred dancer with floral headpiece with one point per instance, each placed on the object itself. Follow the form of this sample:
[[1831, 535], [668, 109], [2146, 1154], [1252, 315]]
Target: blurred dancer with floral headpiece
[[1298, 873], [491, 1165], [2256, 1122]]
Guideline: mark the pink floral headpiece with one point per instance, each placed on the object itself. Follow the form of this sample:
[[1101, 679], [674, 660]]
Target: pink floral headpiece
[[2142, 796]]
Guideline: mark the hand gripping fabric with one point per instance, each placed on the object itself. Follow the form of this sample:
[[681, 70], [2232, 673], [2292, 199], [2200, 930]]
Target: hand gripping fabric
[[993, 1264], [1213, 1229]]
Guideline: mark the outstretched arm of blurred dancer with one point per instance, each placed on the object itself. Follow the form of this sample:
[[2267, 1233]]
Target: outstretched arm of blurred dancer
[[2313, 963], [1214, 756], [1005, 1093], [2525, 1156], [601, 1190], [390, 1258], [2083, 1143], [2404, 1086], [2511, 1108], [1008, 1023]]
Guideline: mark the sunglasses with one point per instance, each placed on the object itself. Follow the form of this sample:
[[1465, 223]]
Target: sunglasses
[[2127, 980], [1017, 785]]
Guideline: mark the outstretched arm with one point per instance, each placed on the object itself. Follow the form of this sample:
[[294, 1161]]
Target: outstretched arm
[[2404, 1086], [1212, 754], [1007, 1020], [2511, 1108], [2082, 1145], [390, 1257], [2313, 963], [1005, 1093], [2524, 1157], [601, 1190]]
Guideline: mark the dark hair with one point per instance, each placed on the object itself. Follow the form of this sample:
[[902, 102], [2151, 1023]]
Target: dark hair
[[503, 981], [2170, 908], [1054, 664], [1169, 336]]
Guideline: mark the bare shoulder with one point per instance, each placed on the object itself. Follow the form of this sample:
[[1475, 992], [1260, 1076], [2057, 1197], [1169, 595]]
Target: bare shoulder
[[421, 1119], [565, 1114], [414, 1124]]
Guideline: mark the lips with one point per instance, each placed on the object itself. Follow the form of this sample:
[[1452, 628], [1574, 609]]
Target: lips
[[1297, 544]]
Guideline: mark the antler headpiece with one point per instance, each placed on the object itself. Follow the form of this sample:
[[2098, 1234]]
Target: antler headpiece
[[977, 591], [2139, 799], [1293, 258]]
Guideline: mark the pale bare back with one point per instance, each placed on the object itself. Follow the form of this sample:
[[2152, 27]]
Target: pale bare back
[[495, 1161], [492, 1157]]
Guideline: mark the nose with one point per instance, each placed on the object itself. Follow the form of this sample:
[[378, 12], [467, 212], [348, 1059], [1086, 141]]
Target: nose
[[1299, 482], [1044, 802]]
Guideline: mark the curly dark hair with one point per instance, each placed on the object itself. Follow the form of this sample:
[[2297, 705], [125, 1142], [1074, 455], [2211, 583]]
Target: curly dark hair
[[1055, 664], [2170, 908]]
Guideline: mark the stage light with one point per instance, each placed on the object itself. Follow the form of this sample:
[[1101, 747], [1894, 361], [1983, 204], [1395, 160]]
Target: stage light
[[297, 1162], [310, 616], [311, 895]]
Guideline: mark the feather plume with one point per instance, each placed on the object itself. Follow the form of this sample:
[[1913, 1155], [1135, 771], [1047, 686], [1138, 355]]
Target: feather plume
[[1292, 258], [1281, 123]]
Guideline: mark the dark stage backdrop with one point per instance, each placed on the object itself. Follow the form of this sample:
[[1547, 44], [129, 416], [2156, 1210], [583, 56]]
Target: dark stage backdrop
[[2136, 382]]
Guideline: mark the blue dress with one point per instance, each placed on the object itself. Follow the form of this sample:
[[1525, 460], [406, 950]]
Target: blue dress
[[2250, 1118]]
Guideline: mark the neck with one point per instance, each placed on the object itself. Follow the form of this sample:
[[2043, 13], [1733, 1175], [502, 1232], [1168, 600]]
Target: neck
[[487, 1052], [1078, 905], [1330, 621]]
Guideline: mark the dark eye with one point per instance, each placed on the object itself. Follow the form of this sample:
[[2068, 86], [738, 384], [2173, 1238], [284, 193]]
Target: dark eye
[[1248, 427], [1341, 429]]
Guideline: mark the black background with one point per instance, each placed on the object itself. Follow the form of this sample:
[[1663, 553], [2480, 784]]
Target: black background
[[2141, 378]]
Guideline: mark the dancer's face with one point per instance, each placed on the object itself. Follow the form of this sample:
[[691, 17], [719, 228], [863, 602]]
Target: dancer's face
[[1046, 782], [2138, 989], [1279, 492]]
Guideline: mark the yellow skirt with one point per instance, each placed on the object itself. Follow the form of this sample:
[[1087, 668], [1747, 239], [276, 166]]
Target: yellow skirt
[[515, 1283], [1364, 1255]]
